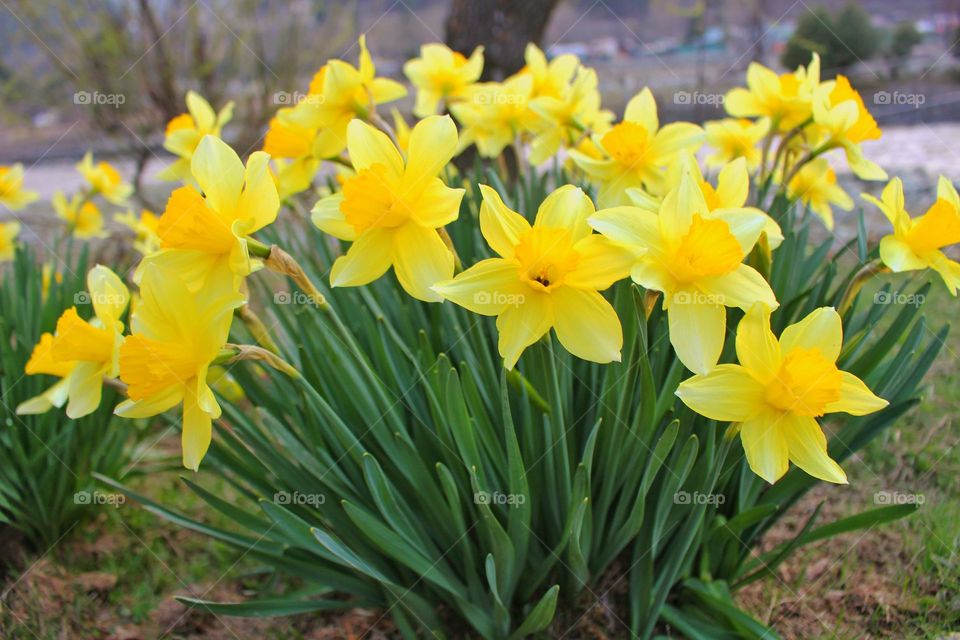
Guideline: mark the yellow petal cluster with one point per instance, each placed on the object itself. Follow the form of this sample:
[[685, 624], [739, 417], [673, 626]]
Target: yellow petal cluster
[[185, 131], [547, 275], [693, 255], [919, 243], [442, 75], [392, 209], [81, 352], [778, 391], [635, 152], [12, 194]]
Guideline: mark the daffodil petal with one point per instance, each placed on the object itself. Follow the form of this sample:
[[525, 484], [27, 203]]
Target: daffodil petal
[[807, 448], [757, 348], [108, 294], [586, 324], [696, 332], [898, 255], [487, 288], [741, 288], [765, 445], [522, 325], [368, 258], [632, 226], [501, 226], [421, 260], [328, 217], [219, 172], [642, 109], [601, 262], [149, 407], [650, 275], [745, 224], [86, 384], [368, 146], [196, 434], [259, 201], [821, 329], [855, 398], [433, 141], [566, 208], [438, 204], [727, 393]]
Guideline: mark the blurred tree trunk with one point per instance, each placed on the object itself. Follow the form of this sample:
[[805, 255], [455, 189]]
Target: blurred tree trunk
[[503, 27]]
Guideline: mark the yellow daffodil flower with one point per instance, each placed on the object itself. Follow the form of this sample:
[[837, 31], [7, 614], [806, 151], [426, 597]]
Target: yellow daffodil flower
[[345, 92], [185, 131], [177, 334], [778, 391], [733, 138], [442, 75], [81, 215], [842, 120], [637, 152], [496, 114], [786, 99], [81, 352], [104, 180], [8, 236], [203, 232], [731, 192], [568, 117], [42, 362], [547, 275], [815, 185], [146, 240], [918, 243], [694, 255], [12, 194], [291, 148], [391, 210], [550, 79]]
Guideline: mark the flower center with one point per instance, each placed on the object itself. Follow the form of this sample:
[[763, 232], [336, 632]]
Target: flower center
[[150, 366], [805, 384], [707, 249], [546, 255], [370, 199], [627, 142]]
